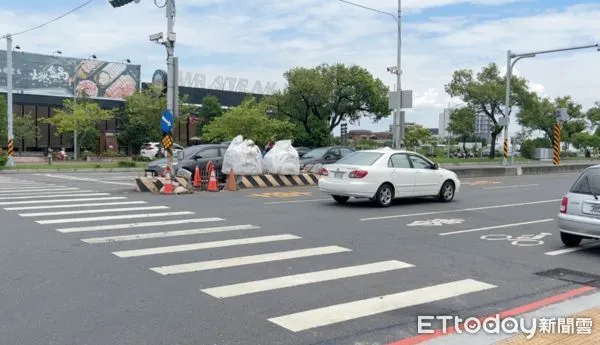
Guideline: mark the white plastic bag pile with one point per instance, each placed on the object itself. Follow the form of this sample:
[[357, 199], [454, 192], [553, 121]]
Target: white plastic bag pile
[[243, 156], [282, 159]]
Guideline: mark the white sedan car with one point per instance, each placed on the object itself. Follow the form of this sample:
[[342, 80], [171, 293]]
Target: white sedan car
[[385, 174]]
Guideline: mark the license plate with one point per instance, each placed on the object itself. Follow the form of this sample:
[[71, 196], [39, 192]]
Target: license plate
[[338, 174], [592, 209]]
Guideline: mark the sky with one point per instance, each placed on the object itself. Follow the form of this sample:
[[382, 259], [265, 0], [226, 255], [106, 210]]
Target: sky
[[259, 40]]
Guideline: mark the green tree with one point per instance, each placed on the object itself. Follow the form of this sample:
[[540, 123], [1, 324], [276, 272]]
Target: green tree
[[462, 124], [141, 118], [24, 129], [585, 140], [486, 92], [593, 115], [211, 109], [250, 120], [538, 114], [324, 96], [82, 117], [415, 135]]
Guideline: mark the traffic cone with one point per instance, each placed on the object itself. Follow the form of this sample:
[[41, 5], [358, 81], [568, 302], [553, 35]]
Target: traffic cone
[[168, 187], [231, 183], [212, 182], [197, 178]]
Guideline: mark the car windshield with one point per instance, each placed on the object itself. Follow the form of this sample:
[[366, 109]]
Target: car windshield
[[588, 183], [316, 153], [360, 158]]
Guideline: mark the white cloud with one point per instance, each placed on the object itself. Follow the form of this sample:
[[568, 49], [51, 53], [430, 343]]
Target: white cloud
[[261, 39]]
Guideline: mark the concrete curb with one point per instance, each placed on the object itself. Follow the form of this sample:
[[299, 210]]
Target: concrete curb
[[497, 171], [86, 170]]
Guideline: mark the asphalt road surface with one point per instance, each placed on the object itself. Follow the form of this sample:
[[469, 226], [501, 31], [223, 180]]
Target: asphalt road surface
[[86, 260]]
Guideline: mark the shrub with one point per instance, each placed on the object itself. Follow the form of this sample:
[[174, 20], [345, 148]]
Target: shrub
[[126, 164], [3, 160]]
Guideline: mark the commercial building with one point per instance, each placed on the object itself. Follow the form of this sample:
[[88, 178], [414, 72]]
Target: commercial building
[[443, 122], [41, 83]]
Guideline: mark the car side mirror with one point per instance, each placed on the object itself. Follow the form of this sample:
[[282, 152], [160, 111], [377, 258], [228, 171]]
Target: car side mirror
[[435, 166], [197, 157]]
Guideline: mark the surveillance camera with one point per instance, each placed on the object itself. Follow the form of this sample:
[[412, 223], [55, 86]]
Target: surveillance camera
[[156, 37], [18, 47]]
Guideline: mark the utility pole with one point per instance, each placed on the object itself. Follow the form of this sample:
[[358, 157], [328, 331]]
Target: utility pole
[[400, 136], [9, 100]]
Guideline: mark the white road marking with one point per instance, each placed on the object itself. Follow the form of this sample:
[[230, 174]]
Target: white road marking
[[164, 234], [138, 225], [497, 227], [514, 186], [61, 200], [27, 187], [35, 190], [103, 218], [24, 208], [293, 201], [203, 245], [304, 278], [594, 244], [54, 192], [357, 309], [104, 210], [247, 260], [463, 210], [58, 195], [86, 179]]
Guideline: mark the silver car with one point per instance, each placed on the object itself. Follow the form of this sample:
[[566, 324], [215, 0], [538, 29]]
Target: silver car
[[579, 215]]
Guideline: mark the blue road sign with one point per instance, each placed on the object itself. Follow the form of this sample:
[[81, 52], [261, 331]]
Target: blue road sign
[[166, 121]]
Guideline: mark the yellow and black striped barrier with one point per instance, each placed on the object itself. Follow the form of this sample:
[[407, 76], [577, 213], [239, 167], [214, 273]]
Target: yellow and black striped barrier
[[155, 184], [11, 148], [266, 181], [505, 148], [556, 144]]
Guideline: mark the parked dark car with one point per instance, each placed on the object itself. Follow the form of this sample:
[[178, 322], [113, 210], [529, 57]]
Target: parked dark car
[[324, 155], [198, 155], [302, 151]]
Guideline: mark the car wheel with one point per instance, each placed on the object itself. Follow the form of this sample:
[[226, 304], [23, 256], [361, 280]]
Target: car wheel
[[446, 192], [341, 199], [384, 195], [570, 240]]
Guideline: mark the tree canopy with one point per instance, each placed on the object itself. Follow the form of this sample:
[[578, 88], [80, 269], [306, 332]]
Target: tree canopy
[[24, 129], [211, 109], [250, 119], [84, 117], [485, 93], [141, 118], [462, 123], [319, 99], [415, 135]]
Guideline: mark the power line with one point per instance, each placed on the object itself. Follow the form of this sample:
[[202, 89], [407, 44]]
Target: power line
[[53, 20]]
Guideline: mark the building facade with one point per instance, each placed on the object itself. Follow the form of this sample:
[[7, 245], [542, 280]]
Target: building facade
[[483, 127], [443, 122]]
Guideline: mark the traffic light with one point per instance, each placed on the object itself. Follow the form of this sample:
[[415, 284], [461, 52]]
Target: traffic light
[[119, 3]]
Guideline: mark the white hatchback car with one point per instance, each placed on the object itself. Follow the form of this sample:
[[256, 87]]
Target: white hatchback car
[[385, 174], [579, 216]]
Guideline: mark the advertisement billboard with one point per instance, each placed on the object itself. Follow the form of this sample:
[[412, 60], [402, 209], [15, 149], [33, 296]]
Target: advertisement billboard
[[63, 76]]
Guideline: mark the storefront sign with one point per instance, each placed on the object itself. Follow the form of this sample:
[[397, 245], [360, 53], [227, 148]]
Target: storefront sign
[[200, 80], [61, 76]]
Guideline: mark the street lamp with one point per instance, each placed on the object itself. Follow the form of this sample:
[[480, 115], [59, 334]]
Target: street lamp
[[510, 64], [9, 98], [399, 121]]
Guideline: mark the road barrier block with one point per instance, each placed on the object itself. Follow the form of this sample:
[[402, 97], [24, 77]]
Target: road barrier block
[[266, 181], [155, 184]]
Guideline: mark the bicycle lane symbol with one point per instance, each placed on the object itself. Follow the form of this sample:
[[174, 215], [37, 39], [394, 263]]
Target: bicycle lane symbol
[[521, 241]]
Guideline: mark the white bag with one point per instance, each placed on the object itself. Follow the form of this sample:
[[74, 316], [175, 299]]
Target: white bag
[[243, 156], [282, 159]]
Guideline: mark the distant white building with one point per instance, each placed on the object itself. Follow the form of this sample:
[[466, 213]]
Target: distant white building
[[444, 121], [483, 127]]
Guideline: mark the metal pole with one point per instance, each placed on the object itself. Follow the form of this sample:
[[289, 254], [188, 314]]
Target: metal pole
[[75, 129], [399, 114], [9, 98], [170, 45], [507, 101]]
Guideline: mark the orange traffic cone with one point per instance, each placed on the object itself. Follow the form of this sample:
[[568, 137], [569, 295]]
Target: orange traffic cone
[[212, 182], [168, 187], [197, 178], [231, 183]]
